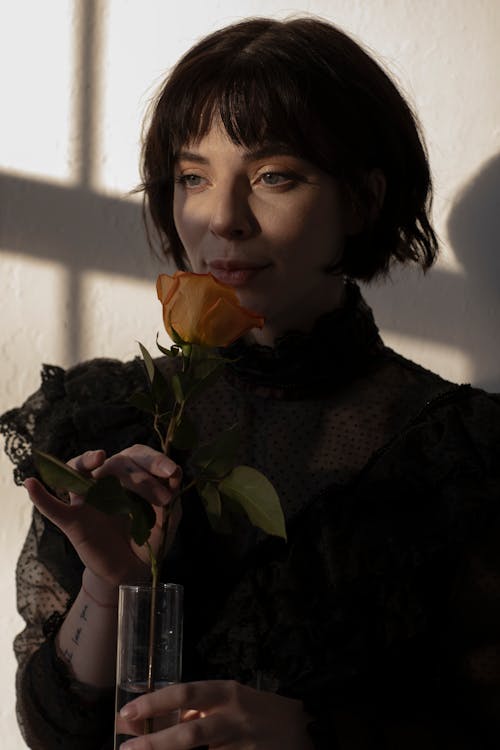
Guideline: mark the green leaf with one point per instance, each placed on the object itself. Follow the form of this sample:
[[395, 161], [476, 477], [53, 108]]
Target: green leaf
[[185, 434], [175, 336], [256, 496], [203, 381], [161, 391], [148, 361], [60, 476], [108, 496], [142, 401], [160, 388], [217, 459], [205, 366], [143, 519], [177, 388], [220, 517], [211, 498], [173, 351]]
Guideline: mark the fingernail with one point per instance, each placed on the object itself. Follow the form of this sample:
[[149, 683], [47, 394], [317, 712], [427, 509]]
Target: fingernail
[[166, 469], [128, 712]]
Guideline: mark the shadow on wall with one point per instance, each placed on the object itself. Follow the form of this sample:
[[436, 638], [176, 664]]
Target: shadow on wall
[[79, 229], [76, 227], [458, 310], [474, 230], [83, 230]]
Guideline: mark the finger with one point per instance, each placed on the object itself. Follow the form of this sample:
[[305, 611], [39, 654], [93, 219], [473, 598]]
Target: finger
[[155, 463], [190, 715], [85, 464], [198, 696], [134, 477], [88, 461], [214, 731], [55, 510]]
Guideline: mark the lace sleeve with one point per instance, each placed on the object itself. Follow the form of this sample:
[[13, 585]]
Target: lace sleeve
[[84, 408], [43, 683], [41, 599], [19, 425]]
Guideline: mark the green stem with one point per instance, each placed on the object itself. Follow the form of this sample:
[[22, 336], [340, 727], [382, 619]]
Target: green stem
[[156, 426], [156, 561]]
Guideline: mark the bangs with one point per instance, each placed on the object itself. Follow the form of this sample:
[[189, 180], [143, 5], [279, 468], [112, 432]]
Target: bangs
[[256, 105]]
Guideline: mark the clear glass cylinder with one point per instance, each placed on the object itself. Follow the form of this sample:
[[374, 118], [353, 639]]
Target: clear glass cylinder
[[149, 652]]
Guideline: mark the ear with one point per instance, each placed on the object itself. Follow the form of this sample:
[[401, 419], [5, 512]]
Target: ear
[[363, 210]]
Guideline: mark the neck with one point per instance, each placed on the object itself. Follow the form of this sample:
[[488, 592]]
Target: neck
[[274, 329]]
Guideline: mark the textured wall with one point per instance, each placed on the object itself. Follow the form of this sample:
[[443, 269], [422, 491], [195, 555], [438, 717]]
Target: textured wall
[[75, 277]]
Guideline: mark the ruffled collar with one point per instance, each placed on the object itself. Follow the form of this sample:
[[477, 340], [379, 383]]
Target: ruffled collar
[[342, 344]]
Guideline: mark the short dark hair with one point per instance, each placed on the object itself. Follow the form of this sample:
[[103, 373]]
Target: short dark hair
[[305, 84]]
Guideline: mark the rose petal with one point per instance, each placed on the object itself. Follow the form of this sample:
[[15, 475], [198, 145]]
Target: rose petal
[[202, 310]]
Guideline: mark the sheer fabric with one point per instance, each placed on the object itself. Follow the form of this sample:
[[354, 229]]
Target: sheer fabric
[[381, 612]]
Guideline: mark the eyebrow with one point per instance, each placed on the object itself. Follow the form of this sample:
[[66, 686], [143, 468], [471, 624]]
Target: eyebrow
[[270, 149]]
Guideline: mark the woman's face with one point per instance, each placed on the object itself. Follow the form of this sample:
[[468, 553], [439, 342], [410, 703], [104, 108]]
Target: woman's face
[[265, 222]]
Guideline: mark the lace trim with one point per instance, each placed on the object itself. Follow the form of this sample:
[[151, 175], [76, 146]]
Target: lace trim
[[339, 347], [81, 409]]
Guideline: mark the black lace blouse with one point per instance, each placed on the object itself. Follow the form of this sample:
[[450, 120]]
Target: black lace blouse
[[381, 613]]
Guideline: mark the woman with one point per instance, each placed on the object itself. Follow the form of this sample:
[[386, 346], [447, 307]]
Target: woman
[[280, 158]]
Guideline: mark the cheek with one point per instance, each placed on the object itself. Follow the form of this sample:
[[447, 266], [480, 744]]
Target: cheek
[[287, 224], [313, 223], [185, 222]]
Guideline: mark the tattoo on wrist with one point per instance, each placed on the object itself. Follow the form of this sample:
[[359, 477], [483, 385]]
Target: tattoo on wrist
[[76, 637]]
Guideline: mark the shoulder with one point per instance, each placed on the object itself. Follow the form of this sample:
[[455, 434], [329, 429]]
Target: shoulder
[[81, 408], [429, 397], [412, 376], [104, 378]]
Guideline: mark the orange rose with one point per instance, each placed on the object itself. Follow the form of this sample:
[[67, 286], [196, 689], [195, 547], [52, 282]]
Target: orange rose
[[202, 310]]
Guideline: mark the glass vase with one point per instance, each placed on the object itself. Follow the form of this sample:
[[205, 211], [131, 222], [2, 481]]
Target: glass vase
[[149, 650]]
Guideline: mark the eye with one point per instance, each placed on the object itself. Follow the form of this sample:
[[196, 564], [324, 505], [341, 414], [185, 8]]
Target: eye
[[275, 178], [190, 180]]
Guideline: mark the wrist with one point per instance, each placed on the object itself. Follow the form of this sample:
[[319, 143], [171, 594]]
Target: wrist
[[101, 592]]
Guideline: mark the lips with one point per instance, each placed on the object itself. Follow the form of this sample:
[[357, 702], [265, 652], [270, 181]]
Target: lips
[[235, 272]]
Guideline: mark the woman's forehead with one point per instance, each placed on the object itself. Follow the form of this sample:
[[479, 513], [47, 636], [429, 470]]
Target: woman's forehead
[[253, 148]]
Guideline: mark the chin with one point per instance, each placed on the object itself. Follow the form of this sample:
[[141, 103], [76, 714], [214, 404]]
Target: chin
[[251, 301]]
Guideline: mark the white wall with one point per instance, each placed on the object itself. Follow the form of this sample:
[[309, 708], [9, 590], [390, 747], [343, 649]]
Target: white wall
[[75, 277]]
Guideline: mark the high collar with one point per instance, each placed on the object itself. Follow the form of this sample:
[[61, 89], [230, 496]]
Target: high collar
[[341, 345]]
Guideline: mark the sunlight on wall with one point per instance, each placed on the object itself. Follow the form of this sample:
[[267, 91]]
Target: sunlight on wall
[[37, 82], [37, 300], [449, 361], [116, 313], [17, 509]]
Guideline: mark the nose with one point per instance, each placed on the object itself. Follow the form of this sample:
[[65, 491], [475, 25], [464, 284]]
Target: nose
[[232, 217]]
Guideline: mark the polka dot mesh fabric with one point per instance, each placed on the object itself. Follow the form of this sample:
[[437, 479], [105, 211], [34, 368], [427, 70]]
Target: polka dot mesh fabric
[[324, 428]]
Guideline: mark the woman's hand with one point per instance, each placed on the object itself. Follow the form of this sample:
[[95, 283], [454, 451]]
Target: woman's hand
[[103, 541], [219, 714]]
